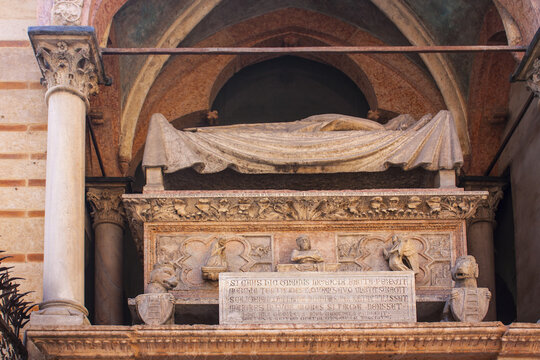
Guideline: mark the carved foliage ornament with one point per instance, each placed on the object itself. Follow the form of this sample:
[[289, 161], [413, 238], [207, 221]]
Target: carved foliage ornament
[[67, 12], [141, 210], [106, 206], [533, 78], [68, 63]]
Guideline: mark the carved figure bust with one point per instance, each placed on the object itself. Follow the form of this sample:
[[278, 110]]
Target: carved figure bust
[[305, 254], [402, 255], [467, 302], [465, 272], [162, 279]]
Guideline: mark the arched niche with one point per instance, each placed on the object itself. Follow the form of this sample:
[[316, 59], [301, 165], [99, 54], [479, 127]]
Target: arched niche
[[287, 88]]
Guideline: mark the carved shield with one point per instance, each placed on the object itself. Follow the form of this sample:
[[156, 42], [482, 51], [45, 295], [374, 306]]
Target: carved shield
[[470, 304], [155, 309]]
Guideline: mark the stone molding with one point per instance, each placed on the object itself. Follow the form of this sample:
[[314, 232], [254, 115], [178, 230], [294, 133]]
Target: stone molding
[[67, 12], [299, 206], [106, 206], [424, 340], [69, 59]]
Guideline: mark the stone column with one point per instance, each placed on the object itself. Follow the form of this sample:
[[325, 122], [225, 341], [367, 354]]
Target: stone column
[[480, 238], [108, 222], [71, 68]]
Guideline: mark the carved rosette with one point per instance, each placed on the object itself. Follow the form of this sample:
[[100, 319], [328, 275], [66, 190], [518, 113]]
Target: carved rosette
[[106, 206], [533, 78], [67, 12], [69, 59], [68, 64], [325, 207]]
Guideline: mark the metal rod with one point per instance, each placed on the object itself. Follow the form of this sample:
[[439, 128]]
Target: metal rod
[[509, 134], [94, 142], [313, 50]]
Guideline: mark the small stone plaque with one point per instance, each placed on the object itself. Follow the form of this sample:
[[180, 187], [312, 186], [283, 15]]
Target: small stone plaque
[[316, 297]]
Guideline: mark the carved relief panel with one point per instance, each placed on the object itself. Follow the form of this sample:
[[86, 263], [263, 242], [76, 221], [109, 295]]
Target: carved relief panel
[[189, 253], [195, 251], [365, 252]]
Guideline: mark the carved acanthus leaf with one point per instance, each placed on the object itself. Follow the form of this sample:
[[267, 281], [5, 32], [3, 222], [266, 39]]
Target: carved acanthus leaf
[[488, 207], [106, 205], [68, 63]]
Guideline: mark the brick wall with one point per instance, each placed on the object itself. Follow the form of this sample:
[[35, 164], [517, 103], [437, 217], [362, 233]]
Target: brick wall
[[23, 146]]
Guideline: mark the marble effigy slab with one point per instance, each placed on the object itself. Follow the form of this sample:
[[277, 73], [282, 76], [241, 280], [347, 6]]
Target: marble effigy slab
[[316, 298]]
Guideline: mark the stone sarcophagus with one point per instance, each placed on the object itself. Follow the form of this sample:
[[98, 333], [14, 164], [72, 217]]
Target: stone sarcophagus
[[188, 238]]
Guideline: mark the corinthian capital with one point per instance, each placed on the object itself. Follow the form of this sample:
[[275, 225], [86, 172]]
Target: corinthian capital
[[69, 58], [487, 208], [106, 205]]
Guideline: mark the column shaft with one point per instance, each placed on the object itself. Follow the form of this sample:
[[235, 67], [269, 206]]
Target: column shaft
[[63, 268], [108, 274]]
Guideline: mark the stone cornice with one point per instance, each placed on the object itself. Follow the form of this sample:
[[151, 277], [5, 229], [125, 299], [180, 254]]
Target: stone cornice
[[423, 340], [69, 59], [106, 205], [425, 204]]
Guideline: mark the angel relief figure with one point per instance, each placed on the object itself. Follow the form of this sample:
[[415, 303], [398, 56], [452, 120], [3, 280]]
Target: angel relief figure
[[217, 262], [402, 255]]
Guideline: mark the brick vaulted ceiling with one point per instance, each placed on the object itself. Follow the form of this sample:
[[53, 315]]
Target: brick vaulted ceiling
[[145, 84]]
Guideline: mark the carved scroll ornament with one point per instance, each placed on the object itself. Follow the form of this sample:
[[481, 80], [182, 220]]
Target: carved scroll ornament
[[67, 12]]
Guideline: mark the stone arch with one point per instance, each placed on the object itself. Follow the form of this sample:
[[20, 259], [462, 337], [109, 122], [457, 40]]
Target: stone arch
[[399, 64]]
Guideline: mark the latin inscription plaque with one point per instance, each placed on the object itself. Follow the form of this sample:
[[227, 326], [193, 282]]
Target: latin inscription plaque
[[316, 297]]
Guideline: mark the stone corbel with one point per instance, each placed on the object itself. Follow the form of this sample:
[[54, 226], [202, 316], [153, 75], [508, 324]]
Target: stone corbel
[[69, 59]]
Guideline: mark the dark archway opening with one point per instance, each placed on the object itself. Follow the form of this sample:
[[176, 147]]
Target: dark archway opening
[[287, 88]]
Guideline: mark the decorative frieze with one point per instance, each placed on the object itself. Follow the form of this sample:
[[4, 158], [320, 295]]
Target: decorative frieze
[[299, 206], [106, 205], [67, 12], [421, 340]]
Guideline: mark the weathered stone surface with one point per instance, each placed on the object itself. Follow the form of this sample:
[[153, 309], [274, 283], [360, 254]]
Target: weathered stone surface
[[14, 106], [267, 247], [467, 302], [316, 298], [24, 141], [22, 235], [15, 29], [439, 341], [30, 198], [309, 145], [22, 169], [155, 309], [18, 64], [32, 274], [287, 206]]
